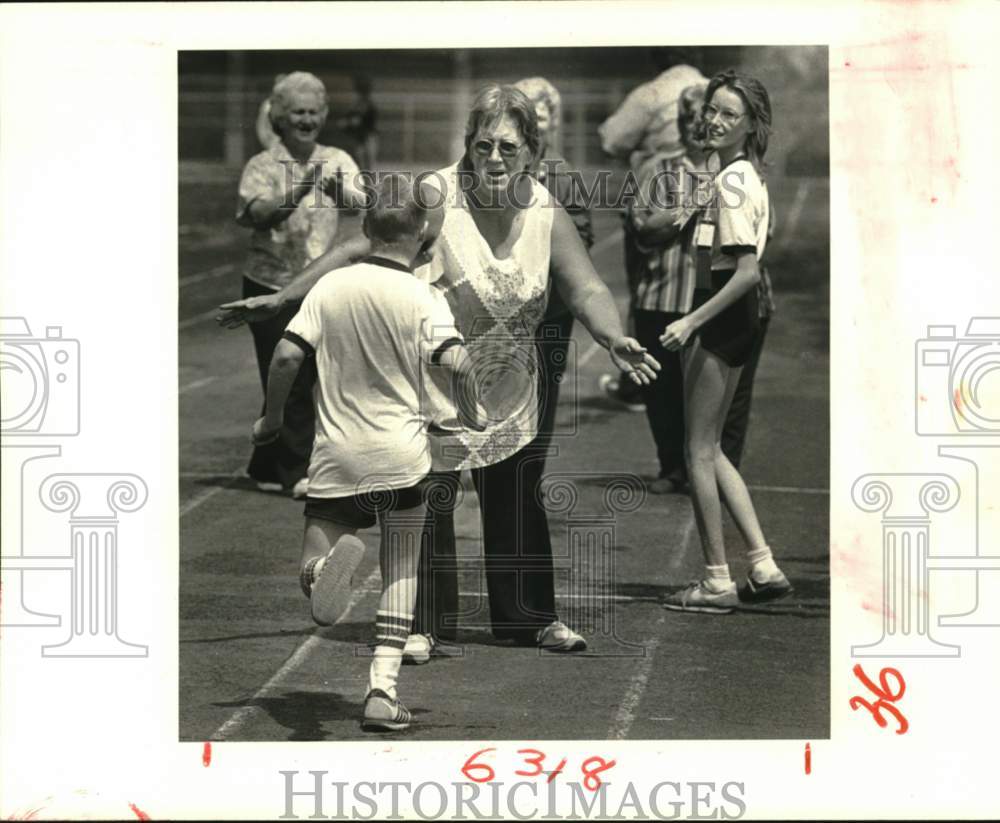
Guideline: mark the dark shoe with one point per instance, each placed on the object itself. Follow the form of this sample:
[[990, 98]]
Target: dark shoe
[[756, 591], [668, 485], [613, 387], [383, 714]]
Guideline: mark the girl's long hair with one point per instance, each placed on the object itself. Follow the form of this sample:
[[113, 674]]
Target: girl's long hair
[[758, 106]]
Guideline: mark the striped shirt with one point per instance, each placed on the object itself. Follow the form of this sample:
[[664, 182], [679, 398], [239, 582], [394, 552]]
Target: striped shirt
[[668, 277]]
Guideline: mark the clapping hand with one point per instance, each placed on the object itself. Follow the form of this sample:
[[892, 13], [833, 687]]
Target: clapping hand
[[634, 360]]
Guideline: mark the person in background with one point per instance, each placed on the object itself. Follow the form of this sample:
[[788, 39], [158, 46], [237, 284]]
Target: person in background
[[644, 125], [663, 221], [288, 197], [360, 124], [552, 171], [266, 134], [372, 451], [719, 335]]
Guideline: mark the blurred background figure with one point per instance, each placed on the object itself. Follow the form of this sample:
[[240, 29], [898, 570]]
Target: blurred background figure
[[663, 222], [553, 172], [266, 134], [360, 122], [293, 221], [644, 125]]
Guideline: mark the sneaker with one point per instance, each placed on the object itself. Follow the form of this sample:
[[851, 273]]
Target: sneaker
[[331, 593], [699, 598], [418, 649], [668, 485], [300, 489], [263, 486], [383, 714], [558, 637], [612, 387], [774, 588]]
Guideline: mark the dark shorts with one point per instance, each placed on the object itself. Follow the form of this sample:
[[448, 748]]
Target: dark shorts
[[731, 334], [361, 511]]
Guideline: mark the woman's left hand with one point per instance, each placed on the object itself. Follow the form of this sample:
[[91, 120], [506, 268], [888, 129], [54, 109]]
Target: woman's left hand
[[677, 334], [634, 360]]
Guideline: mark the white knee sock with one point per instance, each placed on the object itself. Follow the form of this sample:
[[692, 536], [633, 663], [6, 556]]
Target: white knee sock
[[391, 631]]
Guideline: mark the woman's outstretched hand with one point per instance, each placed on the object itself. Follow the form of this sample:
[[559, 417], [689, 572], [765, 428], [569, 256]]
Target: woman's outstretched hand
[[634, 360], [677, 335], [250, 310]]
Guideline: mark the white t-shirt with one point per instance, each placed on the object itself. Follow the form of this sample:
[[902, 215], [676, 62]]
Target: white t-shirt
[[374, 329], [742, 206]]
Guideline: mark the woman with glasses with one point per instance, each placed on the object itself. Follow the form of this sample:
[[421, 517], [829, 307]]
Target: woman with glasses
[[502, 236], [717, 338]]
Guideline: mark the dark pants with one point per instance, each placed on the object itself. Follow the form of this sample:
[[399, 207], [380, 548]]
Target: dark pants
[[553, 334], [286, 460], [664, 397], [734, 433], [516, 547]]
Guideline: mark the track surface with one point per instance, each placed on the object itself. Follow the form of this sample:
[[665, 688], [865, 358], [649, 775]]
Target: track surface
[[254, 667]]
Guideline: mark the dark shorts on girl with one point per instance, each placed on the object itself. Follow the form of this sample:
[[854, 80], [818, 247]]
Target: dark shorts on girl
[[731, 334], [361, 511]]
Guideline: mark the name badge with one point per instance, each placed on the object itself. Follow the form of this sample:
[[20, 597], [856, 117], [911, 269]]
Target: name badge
[[705, 235]]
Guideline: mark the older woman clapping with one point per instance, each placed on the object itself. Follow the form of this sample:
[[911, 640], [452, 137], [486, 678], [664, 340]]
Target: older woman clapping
[[281, 197]]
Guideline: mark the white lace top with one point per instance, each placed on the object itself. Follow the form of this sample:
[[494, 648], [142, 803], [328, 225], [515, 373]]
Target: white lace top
[[497, 305]]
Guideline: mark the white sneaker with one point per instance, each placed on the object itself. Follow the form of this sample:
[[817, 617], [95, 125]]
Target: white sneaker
[[331, 593], [418, 649], [698, 597]]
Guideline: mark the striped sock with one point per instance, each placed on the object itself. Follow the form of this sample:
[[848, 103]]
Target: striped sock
[[391, 631]]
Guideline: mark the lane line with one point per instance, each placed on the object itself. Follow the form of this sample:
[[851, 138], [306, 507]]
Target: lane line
[[198, 318], [208, 494], [789, 489], [625, 716], [200, 277], [250, 711], [196, 384]]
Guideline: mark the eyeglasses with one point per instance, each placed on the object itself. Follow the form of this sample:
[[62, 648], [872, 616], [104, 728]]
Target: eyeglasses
[[508, 150], [728, 116]]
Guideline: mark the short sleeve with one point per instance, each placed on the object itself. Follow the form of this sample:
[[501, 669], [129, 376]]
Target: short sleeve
[[306, 325], [438, 325], [737, 213], [255, 183]]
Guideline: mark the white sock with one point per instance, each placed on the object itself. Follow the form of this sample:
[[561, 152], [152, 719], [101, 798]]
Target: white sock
[[718, 578], [762, 565], [384, 671]]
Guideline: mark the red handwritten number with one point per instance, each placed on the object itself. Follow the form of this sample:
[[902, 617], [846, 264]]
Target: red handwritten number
[[470, 766], [590, 780], [535, 761], [555, 774], [886, 697]]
